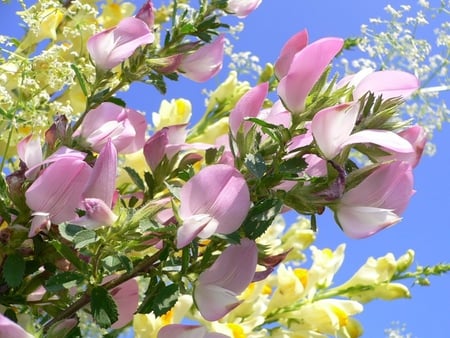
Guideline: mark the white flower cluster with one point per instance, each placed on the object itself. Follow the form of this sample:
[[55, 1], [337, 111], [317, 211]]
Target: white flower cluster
[[398, 42]]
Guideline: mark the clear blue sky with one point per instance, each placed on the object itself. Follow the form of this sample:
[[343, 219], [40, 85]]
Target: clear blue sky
[[425, 228]]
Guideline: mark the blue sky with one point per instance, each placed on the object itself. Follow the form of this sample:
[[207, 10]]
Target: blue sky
[[425, 227]]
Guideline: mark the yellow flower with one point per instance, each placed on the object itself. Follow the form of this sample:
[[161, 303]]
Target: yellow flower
[[212, 132], [171, 113], [228, 93], [114, 12], [237, 330], [135, 161]]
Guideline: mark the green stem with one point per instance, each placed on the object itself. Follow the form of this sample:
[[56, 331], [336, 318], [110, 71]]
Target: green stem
[[146, 264]]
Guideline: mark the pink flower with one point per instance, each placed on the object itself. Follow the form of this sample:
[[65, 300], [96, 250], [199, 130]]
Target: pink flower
[[205, 62], [305, 70], [217, 288], [377, 202], [113, 46], [124, 126], [30, 151], [9, 329], [187, 331], [242, 8], [56, 193], [216, 200], [249, 105], [294, 45], [332, 130]]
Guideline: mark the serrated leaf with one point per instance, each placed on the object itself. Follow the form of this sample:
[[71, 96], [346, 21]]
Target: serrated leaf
[[165, 299], [255, 164], [68, 231], [64, 280], [84, 238], [261, 216], [13, 270], [117, 262], [70, 255], [135, 177], [103, 307]]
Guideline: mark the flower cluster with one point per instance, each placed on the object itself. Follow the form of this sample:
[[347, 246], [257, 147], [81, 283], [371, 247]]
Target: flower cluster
[[104, 215]]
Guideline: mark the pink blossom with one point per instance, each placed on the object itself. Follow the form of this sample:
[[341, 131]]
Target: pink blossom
[[124, 126], [332, 130], [9, 329], [249, 105], [113, 46], [242, 8], [205, 62], [305, 70], [294, 45], [217, 288], [187, 331], [216, 200], [56, 193], [29, 150], [377, 202]]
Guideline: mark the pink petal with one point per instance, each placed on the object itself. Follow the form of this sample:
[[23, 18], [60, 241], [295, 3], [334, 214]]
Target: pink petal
[[98, 213], [219, 191], [332, 126], [295, 44], [139, 125], [102, 183], [9, 329], [204, 63], [113, 46], [191, 227], [385, 138], [126, 296], [58, 189], [249, 105], [389, 83], [214, 302], [146, 14], [306, 68], [362, 221], [242, 8], [30, 151]]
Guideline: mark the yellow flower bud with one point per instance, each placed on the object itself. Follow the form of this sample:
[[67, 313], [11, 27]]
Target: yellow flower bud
[[228, 93], [212, 132], [405, 261]]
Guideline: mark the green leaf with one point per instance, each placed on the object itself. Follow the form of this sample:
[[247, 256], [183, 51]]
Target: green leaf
[[64, 280], [80, 79], [118, 101], [159, 297], [255, 164], [84, 238], [261, 216], [103, 307], [68, 231], [117, 262], [13, 270], [69, 254], [135, 177]]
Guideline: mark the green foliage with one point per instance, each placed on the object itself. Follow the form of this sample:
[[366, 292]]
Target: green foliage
[[103, 307], [13, 270]]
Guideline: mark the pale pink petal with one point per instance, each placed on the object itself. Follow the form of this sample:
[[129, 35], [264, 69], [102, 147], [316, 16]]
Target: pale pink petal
[[204, 63], [58, 189], [126, 296], [146, 14], [9, 329], [190, 228], [249, 105], [30, 151], [332, 126], [306, 68], [214, 302], [113, 46], [277, 115], [295, 44], [102, 183], [388, 83], [363, 221], [385, 138], [139, 125], [242, 8], [97, 214], [155, 148]]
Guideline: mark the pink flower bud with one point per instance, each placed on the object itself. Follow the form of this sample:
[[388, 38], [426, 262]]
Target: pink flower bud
[[146, 14], [242, 8]]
